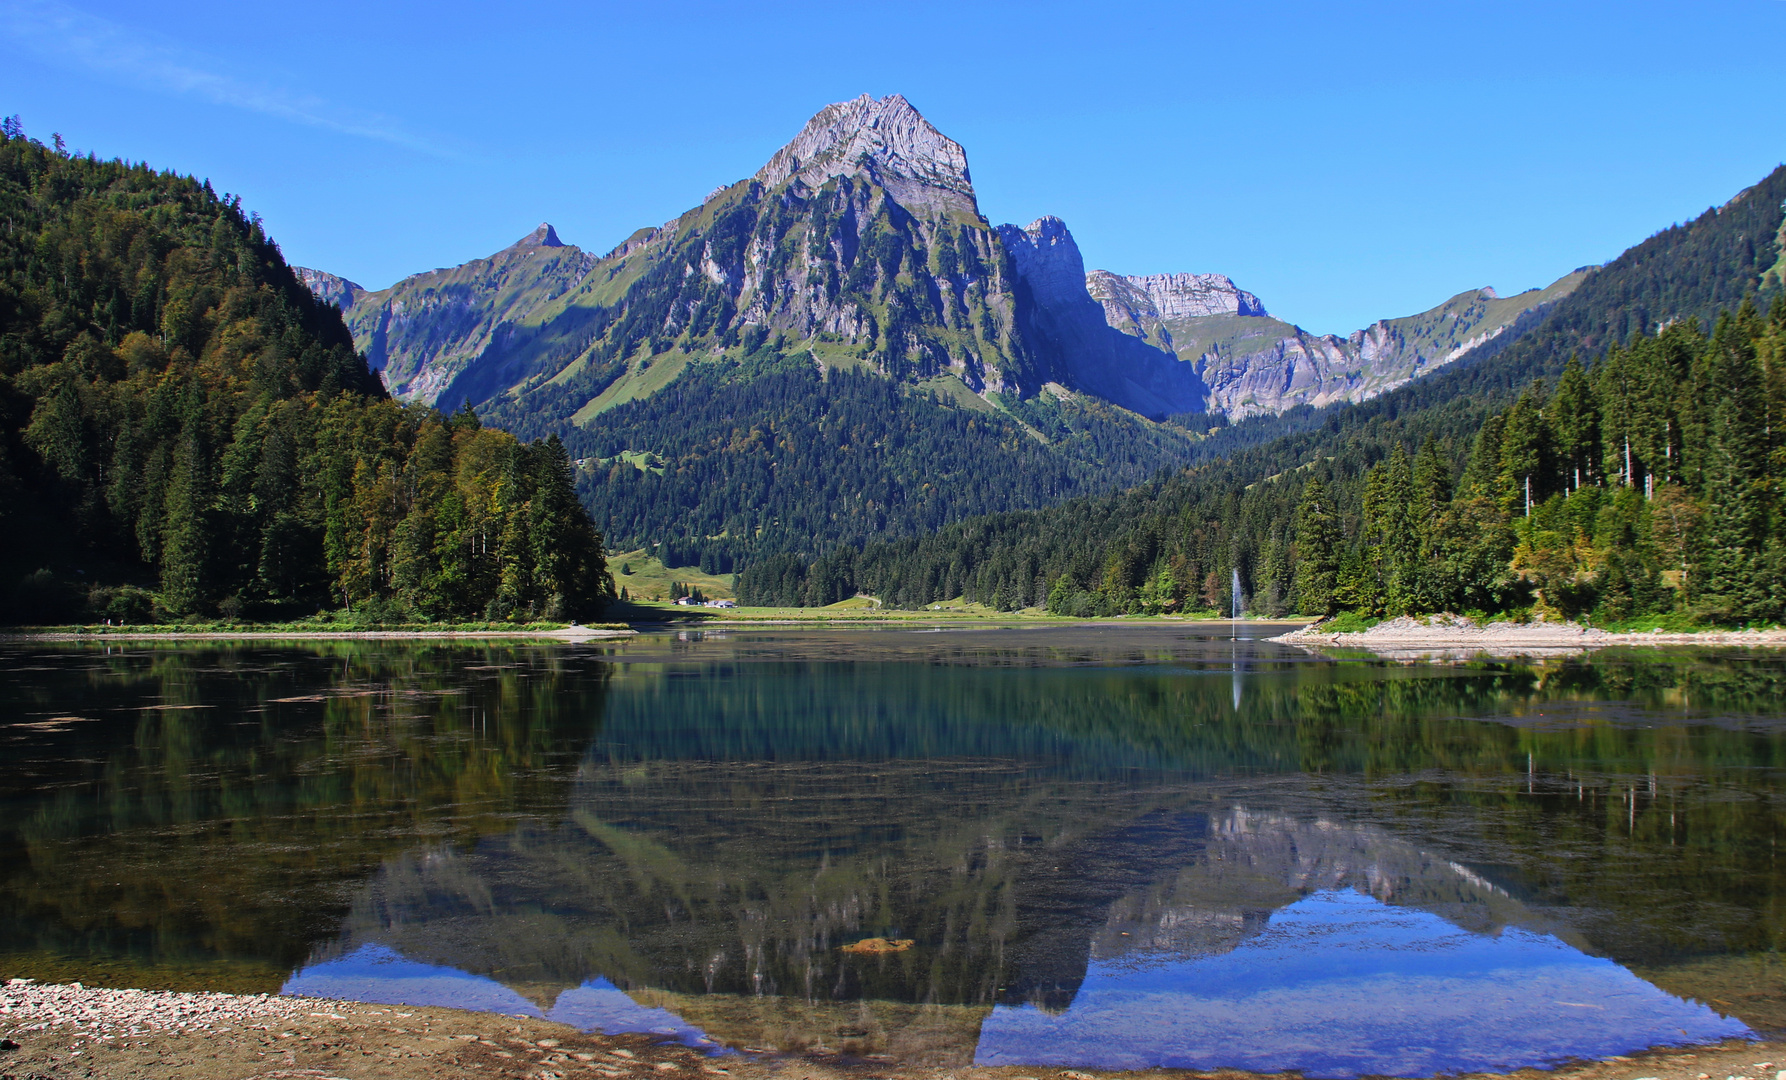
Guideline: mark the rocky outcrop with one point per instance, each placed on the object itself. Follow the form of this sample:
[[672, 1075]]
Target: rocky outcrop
[[886, 142], [1254, 364], [329, 288], [1131, 303], [545, 236], [1068, 329]]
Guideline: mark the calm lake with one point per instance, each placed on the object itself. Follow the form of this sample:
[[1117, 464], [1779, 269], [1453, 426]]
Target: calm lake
[[1072, 845]]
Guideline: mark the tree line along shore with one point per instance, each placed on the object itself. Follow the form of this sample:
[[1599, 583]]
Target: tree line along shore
[[1642, 489]]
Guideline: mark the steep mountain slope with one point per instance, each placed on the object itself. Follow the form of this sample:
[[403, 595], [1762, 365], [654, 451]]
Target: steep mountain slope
[[1068, 332], [424, 331], [330, 288], [1254, 364], [858, 247], [861, 241], [185, 430]]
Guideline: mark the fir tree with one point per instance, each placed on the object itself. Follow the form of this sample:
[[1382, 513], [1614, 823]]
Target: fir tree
[[1318, 544]]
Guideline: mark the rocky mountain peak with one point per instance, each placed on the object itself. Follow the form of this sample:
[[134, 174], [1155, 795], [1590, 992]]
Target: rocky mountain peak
[[884, 140], [1169, 296], [543, 237], [1048, 259]]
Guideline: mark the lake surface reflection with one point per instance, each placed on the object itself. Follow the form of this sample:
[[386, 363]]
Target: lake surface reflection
[[1097, 846]]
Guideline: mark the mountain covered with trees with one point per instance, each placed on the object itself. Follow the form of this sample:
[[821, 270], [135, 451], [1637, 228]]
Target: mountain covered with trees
[[186, 431], [843, 347], [1621, 458]]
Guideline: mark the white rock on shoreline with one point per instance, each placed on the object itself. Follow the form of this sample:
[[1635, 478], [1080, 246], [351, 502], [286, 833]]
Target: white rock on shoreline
[[26, 1006], [1450, 632]]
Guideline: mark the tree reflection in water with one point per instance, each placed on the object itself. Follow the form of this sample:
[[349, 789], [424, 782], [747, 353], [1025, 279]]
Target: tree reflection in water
[[700, 826]]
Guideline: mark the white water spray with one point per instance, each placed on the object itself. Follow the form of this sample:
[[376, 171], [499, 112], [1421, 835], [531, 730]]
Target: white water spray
[[1235, 638]]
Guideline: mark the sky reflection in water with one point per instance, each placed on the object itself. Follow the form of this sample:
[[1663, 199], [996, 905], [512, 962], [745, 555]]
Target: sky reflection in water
[[381, 975], [1341, 984], [1122, 847]]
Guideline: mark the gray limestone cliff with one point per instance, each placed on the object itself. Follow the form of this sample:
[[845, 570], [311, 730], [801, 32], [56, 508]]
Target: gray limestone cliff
[[1254, 364], [329, 288], [1067, 327], [885, 141], [1131, 303]]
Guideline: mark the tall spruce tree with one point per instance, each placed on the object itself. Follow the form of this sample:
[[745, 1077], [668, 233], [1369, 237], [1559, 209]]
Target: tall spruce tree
[[1318, 547]]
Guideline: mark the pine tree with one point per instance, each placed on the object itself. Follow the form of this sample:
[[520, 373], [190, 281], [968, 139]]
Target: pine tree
[[1482, 476], [1318, 544], [187, 529], [1616, 389], [1576, 425], [1525, 453], [1736, 579]]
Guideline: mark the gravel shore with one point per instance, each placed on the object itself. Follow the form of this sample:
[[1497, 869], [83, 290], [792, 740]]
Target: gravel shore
[[1457, 634], [75, 1031]]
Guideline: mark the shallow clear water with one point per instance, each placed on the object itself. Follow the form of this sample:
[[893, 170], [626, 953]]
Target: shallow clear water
[[1092, 846]]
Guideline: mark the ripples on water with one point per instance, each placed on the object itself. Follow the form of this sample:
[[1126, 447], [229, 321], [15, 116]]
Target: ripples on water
[[1079, 846]]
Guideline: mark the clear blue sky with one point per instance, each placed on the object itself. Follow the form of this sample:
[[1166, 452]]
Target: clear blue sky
[[1346, 162]]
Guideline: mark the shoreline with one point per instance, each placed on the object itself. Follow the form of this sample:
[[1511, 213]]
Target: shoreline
[[572, 634], [1456, 633], [73, 1030], [671, 624]]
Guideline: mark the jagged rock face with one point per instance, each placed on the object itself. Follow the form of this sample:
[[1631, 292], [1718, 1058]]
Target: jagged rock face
[[1048, 259], [1068, 330], [1132, 302], [885, 142], [329, 288], [1254, 364], [860, 239]]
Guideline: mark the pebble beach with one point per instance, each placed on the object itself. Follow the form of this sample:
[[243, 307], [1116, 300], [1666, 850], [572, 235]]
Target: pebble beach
[[53, 1032]]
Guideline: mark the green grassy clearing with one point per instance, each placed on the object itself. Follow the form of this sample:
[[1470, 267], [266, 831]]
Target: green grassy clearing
[[650, 578]]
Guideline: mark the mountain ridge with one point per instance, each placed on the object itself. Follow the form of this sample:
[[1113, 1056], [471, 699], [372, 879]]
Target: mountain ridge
[[434, 348]]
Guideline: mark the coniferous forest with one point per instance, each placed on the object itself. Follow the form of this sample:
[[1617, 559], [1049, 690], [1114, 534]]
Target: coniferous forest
[[186, 432], [1646, 483], [767, 454]]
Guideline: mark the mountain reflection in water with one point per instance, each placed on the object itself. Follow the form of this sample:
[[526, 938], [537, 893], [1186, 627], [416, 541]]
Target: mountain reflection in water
[[1343, 985], [1099, 853]]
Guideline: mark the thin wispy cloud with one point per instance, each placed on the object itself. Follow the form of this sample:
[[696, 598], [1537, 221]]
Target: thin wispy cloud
[[63, 34]]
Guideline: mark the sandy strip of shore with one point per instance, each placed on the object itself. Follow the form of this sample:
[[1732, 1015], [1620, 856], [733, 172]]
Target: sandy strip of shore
[[75, 1031], [1457, 633]]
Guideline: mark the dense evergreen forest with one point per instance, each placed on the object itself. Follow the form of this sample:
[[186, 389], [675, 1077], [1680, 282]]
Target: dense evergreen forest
[[185, 431], [767, 454], [1692, 270], [1399, 505], [1647, 483]]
